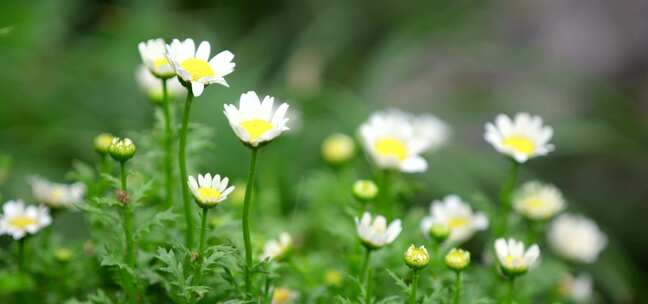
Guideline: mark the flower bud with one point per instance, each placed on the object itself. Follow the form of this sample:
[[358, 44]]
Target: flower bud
[[122, 149], [439, 232], [457, 259], [102, 143], [63, 254], [337, 149], [365, 190], [333, 277], [416, 258]]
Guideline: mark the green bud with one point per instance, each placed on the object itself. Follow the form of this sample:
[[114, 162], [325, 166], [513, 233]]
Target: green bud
[[457, 259], [102, 143], [122, 149], [416, 258], [365, 190], [63, 254], [337, 149], [439, 232]]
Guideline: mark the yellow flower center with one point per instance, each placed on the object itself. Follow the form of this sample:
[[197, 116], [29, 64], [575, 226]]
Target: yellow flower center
[[520, 144], [281, 295], [197, 68], [56, 195], [534, 203], [457, 222], [208, 194], [391, 147], [22, 221], [256, 127], [513, 262], [159, 62]]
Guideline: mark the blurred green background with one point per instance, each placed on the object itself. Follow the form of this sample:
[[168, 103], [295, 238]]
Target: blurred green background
[[68, 74]]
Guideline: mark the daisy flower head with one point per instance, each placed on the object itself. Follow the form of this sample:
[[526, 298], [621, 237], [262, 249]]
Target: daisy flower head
[[209, 191], [433, 131], [277, 249], [56, 195], [457, 216], [395, 140], [576, 238], [256, 122], [513, 258], [152, 86], [522, 138], [18, 220], [375, 233], [538, 201], [193, 66], [153, 53]]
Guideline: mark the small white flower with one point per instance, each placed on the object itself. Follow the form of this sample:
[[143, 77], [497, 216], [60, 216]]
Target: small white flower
[[256, 122], [577, 238], [579, 289], [152, 86], [395, 140], [153, 56], [56, 195], [17, 219], [512, 257], [194, 66], [538, 201], [209, 191], [457, 215], [376, 234], [276, 249], [521, 138]]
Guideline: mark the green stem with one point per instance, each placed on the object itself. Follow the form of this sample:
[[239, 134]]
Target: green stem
[[168, 145], [201, 248], [364, 274], [246, 225], [505, 197], [386, 203], [182, 160], [21, 254], [128, 219], [415, 277], [509, 295], [457, 288]]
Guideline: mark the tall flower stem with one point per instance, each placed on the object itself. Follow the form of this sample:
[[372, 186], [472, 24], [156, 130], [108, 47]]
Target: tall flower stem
[[246, 224], [415, 278], [509, 294], [21, 254], [385, 201], [505, 197], [128, 218], [364, 274], [457, 288], [182, 160], [201, 246], [168, 146]]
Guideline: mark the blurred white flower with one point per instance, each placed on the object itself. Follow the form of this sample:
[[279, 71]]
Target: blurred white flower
[[376, 234], [152, 86], [576, 238], [256, 122], [209, 191], [521, 138], [17, 219], [56, 195], [578, 289], [283, 295], [194, 66], [512, 257], [153, 56], [538, 201], [455, 214], [395, 139], [277, 249]]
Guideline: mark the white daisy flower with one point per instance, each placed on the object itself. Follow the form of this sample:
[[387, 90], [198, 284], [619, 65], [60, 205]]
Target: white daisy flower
[[152, 86], [395, 140], [538, 201], [512, 257], [18, 220], [576, 238], [577, 288], [277, 249], [376, 234], [209, 191], [153, 53], [56, 195], [256, 122], [194, 66], [457, 215], [521, 138]]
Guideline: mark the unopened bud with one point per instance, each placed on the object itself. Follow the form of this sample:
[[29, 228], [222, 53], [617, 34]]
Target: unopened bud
[[457, 259], [416, 257], [102, 143], [439, 232], [122, 149], [365, 190], [338, 148]]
